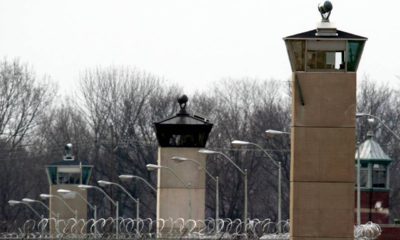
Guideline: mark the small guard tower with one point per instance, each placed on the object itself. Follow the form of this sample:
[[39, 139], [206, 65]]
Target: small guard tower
[[324, 62], [181, 135], [374, 181], [68, 174]]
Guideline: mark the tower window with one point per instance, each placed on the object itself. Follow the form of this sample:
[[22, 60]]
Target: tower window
[[354, 54], [329, 60], [296, 50], [379, 176], [69, 178], [363, 176]]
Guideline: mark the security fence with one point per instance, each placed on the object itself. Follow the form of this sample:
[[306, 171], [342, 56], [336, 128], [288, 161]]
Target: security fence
[[128, 228]]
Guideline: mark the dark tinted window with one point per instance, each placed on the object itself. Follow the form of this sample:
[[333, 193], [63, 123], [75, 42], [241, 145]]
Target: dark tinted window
[[354, 54]]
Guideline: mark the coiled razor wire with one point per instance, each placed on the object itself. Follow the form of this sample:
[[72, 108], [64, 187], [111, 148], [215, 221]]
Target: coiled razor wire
[[367, 231], [147, 228]]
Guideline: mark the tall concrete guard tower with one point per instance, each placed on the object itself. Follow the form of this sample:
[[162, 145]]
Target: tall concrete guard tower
[[324, 62], [182, 195], [67, 174]]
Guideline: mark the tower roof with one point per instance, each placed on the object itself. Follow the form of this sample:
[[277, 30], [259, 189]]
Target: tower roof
[[184, 129], [184, 119], [371, 151], [69, 163], [312, 34]]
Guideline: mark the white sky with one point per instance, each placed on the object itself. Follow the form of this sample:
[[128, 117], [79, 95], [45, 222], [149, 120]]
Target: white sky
[[192, 42]]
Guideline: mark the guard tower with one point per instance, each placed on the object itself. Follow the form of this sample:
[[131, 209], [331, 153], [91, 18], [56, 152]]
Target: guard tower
[[67, 174], [181, 135], [374, 181], [324, 62]]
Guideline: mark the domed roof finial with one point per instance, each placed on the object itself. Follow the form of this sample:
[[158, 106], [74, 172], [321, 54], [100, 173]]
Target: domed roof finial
[[370, 134]]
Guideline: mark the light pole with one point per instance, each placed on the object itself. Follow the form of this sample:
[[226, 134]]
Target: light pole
[[94, 208], [29, 200], [243, 172], [277, 164], [359, 115], [271, 132], [215, 179], [129, 176], [152, 167], [15, 202], [136, 200], [115, 203], [47, 196], [358, 185]]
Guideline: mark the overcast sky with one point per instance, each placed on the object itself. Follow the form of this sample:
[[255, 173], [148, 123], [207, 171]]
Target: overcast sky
[[194, 43]]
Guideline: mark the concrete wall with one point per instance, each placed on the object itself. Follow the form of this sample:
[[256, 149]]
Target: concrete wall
[[322, 164], [57, 206], [389, 232], [173, 198]]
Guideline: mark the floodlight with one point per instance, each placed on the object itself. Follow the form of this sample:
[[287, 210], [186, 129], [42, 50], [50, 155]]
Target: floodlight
[[152, 167]]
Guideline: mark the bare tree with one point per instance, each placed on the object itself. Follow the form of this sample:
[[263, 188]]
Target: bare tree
[[23, 99], [60, 125], [121, 105], [243, 109], [111, 126]]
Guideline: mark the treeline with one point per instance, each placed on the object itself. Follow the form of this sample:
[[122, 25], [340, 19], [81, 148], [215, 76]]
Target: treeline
[[110, 119]]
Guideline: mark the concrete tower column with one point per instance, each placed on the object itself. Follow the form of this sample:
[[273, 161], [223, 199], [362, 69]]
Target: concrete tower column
[[67, 174], [324, 63], [181, 187]]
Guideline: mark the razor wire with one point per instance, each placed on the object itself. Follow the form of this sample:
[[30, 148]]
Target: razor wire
[[129, 228], [368, 231], [147, 228]]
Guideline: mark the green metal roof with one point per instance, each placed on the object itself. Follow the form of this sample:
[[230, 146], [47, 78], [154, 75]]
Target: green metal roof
[[370, 150]]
